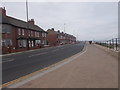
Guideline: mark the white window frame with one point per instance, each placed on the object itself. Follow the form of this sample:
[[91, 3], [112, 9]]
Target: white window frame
[[32, 43], [29, 43], [29, 32], [43, 34], [19, 31], [7, 42], [22, 43], [3, 41], [23, 31], [37, 42], [37, 34]]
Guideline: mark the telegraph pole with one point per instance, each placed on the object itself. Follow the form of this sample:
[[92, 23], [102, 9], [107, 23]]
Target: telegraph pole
[[27, 10], [64, 27], [27, 22]]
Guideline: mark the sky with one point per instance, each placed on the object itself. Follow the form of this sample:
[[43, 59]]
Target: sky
[[85, 20]]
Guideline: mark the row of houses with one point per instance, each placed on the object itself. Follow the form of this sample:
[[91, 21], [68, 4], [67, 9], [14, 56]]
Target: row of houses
[[59, 38], [19, 35]]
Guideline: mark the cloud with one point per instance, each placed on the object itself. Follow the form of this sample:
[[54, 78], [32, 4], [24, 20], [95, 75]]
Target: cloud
[[86, 20]]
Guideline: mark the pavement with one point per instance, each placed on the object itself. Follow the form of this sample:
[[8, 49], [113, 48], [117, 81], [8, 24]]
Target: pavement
[[93, 69], [16, 66]]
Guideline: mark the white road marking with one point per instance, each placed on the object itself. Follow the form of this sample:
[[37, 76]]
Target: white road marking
[[10, 60], [55, 50], [38, 54], [40, 74], [30, 50]]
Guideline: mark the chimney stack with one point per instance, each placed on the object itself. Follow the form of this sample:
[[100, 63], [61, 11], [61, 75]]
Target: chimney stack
[[59, 31], [52, 29], [31, 21], [3, 11]]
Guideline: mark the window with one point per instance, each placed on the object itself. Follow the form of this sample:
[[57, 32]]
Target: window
[[23, 32], [32, 44], [58, 36], [28, 32], [31, 33], [5, 28], [3, 42], [43, 34], [6, 42], [36, 34], [19, 31], [44, 42], [22, 43], [37, 42], [29, 43]]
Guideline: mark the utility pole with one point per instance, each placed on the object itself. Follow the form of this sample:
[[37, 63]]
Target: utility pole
[[27, 22], [27, 11], [64, 27]]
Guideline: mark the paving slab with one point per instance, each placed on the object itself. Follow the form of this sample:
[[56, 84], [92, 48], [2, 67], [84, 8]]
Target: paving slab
[[93, 69]]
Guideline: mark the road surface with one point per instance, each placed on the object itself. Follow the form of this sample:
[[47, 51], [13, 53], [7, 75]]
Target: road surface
[[18, 65], [93, 68]]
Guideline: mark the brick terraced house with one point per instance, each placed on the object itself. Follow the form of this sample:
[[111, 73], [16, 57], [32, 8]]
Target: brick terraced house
[[55, 38], [18, 35]]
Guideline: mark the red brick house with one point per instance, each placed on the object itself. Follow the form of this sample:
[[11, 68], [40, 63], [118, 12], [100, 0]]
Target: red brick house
[[55, 38], [52, 37], [18, 35]]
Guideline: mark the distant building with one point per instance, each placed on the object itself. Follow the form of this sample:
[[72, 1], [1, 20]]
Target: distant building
[[18, 35], [55, 38], [52, 37]]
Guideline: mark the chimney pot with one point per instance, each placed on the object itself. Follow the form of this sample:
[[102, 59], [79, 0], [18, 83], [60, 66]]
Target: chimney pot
[[52, 29]]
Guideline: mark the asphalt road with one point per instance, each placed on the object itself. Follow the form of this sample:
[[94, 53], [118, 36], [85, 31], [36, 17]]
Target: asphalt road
[[17, 65]]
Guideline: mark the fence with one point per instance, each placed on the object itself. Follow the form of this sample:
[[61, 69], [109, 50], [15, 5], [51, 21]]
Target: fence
[[111, 44]]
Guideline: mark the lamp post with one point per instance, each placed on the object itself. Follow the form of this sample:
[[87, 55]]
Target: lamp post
[[64, 27], [27, 23]]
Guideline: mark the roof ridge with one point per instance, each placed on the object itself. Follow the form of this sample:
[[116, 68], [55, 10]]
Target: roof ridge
[[16, 19], [21, 23]]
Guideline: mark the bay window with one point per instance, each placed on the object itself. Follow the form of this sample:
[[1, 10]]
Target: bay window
[[6, 42], [37, 42], [22, 43]]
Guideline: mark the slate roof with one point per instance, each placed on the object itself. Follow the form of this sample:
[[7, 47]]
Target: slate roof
[[19, 23]]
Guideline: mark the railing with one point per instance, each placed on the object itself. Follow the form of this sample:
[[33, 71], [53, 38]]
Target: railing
[[111, 44]]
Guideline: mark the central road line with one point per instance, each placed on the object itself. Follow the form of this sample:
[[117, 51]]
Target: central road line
[[38, 54], [24, 79], [10, 60], [55, 50]]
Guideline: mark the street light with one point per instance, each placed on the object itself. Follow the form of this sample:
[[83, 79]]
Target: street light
[[27, 22], [64, 27]]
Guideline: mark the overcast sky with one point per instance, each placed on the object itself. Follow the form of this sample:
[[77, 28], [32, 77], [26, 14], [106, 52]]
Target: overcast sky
[[85, 20]]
